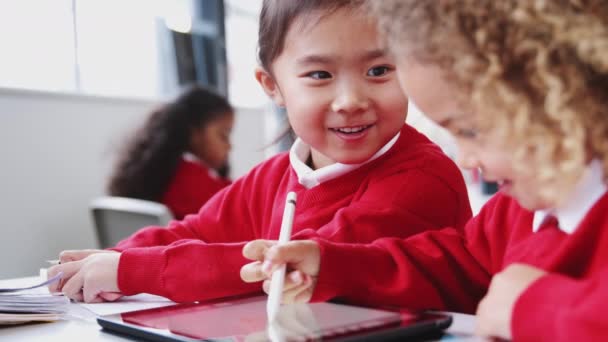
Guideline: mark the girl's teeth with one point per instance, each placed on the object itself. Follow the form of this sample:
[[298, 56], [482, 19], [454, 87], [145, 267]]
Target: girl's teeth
[[350, 129]]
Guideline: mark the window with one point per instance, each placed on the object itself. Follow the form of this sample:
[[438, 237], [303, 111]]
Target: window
[[120, 48], [37, 45], [117, 47], [241, 47], [101, 47]]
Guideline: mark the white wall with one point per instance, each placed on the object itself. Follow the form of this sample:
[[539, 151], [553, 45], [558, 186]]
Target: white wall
[[56, 151]]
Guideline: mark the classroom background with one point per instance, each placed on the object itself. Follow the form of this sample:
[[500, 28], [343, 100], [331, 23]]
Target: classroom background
[[77, 75]]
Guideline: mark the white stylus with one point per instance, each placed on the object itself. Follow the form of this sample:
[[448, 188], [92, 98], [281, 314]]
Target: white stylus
[[278, 276]]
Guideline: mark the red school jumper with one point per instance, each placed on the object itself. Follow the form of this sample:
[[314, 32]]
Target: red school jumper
[[192, 185], [448, 269], [411, 188]]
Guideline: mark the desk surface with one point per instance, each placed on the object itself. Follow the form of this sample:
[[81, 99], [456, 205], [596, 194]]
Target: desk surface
[[81, 326]]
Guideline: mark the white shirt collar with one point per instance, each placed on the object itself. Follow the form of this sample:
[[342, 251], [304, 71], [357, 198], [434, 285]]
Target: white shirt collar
[[189, 156], [309, 178], [587, 191]]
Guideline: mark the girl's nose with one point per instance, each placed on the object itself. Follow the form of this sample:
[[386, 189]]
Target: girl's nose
[[466, 159], [350, 100]]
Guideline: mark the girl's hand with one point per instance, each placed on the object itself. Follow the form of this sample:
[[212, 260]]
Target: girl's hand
[[79, 254], [302, 259], [496, 308], [93, 279]]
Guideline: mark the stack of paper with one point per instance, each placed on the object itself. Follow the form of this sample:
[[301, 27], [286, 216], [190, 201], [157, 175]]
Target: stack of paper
[[31, 303]]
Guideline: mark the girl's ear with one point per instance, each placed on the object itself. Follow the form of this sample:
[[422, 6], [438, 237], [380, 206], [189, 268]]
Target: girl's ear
[[269, 85]]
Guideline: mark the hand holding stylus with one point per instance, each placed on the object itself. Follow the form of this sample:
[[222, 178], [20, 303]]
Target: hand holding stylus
[[301, 257]]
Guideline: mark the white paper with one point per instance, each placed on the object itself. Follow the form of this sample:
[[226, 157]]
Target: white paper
[[126, 304], [31, 302]]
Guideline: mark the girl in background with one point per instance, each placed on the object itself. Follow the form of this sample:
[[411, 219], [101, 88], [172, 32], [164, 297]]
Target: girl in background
[[359, 172], [179, 157], [522, 86]]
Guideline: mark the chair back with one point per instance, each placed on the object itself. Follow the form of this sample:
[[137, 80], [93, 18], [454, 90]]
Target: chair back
[[116, 218]]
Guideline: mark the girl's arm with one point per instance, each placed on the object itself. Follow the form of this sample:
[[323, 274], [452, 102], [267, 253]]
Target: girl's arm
[[199, 258], [399, 205], [444, 269], [433, 270], [230, 207]]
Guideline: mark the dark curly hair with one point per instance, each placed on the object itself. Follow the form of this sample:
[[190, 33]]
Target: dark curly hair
[[148, 161]]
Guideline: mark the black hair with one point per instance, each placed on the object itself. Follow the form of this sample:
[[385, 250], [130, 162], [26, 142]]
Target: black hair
[[148, 162], [277, 16]]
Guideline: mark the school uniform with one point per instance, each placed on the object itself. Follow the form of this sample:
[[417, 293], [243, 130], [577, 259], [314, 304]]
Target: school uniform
[[192, 185], [407, 187], [448, 269]]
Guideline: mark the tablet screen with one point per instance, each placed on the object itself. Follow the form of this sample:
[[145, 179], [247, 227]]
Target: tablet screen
[[245, 320]]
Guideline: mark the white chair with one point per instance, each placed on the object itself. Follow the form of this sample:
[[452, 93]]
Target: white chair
[[116, 218]]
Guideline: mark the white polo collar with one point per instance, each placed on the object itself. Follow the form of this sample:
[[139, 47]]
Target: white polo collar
[[309, 178], [189, 156], [587, 191]]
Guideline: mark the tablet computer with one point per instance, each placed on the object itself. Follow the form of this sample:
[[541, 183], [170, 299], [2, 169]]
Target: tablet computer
[[244, 319]]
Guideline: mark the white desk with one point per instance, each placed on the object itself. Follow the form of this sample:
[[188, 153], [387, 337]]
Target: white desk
[[81, 326]]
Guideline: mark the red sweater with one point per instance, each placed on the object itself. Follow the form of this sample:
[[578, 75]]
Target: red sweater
[[448, 269], [191, 187], [411, 188]]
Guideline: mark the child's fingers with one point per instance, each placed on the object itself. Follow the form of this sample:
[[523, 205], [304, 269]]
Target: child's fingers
[[293, 294], [294, 287], [252, 272], [90, 293], [50, 273], [110, 296], [482, 323], [77, 297], [256, 249], [73, 287], [266, 286], [291, 280], [305, 295], [67, 270], [276, 256], [301, 255], [75, 255], [96, 299]]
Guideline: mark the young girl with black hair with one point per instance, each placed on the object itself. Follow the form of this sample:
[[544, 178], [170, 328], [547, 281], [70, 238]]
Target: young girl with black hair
[[179, 157]]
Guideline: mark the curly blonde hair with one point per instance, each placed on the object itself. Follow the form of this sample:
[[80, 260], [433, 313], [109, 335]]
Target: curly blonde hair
[[535, 72]]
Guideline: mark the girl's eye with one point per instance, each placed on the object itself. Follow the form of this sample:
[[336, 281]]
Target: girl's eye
[[378, 71], [226, 136], [467, 133], [319, 75]]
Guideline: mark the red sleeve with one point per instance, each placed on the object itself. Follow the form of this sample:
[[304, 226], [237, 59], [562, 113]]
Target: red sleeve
[[399, 205], [446, 269], [560, 308], [203, 249], [191, 187]]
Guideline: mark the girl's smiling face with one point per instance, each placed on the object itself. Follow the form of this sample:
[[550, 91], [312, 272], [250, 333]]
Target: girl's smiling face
[[429, 90], [339, 86]]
